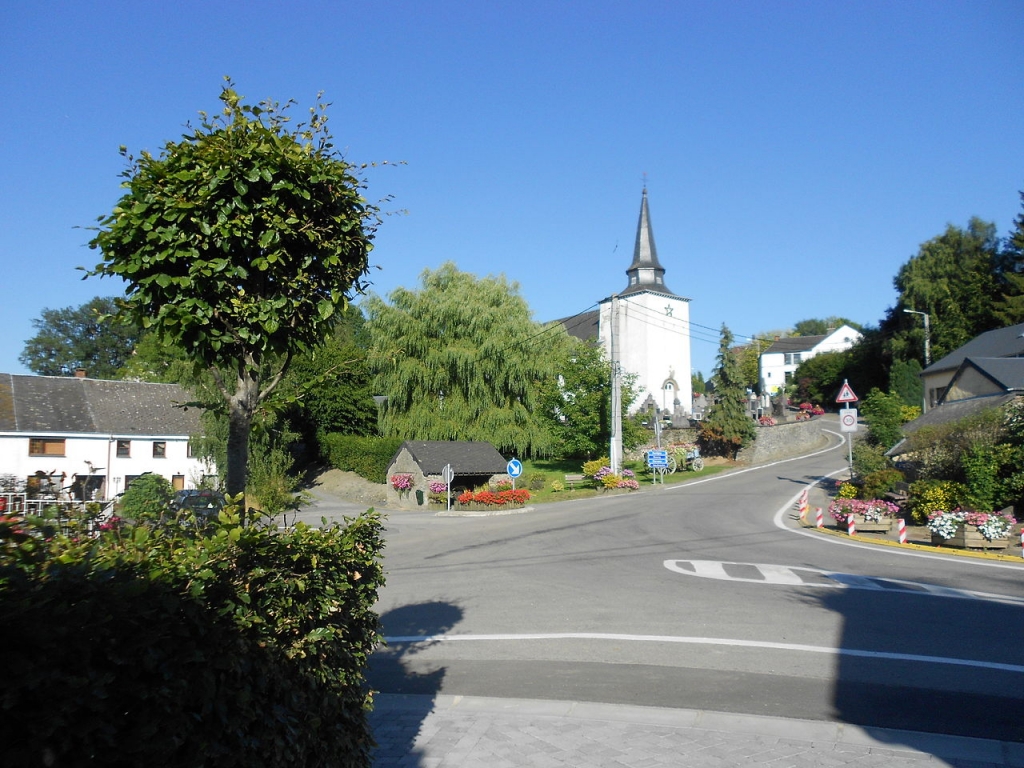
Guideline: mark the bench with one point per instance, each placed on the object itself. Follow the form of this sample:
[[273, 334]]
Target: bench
[[899, 493], [570, 479]]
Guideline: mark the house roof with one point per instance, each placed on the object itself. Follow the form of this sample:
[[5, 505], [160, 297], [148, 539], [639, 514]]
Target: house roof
[[59, 404], [1001, 342], [466, 457], [950, 412], [584, 326], [795, 344]]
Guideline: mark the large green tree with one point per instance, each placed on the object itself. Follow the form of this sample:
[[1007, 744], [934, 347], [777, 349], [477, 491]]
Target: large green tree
[[80, 337], [953, 278], [727, 427], [820, 327], [577, 403], [1009, 308], [237, 244], [461, 359]]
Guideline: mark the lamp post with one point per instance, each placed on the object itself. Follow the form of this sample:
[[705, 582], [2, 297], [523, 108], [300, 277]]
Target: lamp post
[[927, 335]]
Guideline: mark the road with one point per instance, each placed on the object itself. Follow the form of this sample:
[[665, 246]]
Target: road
[[703, 596]]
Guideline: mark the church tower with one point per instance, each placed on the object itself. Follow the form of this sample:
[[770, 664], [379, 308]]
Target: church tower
[[646, 327]]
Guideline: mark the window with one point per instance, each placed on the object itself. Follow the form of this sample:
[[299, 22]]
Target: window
[[793, 358], [43, 446], [159, 449], [124, 449]]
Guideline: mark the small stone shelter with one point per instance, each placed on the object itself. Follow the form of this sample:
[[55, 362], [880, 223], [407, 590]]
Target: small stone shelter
[[474, 463]]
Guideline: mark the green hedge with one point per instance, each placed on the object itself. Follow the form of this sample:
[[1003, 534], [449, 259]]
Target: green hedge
[[241, 646], [366, 456]]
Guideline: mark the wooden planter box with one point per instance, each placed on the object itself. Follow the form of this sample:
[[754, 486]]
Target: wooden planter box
[[868, 526], [967, 537]]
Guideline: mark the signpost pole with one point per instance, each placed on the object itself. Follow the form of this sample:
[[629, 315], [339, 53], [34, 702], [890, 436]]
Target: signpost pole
[[848, 419]]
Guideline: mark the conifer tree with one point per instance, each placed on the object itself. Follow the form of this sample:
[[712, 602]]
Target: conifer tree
[[727, 427]]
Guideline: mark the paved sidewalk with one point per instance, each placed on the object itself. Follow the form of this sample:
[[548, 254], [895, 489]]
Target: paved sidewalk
[[470, 732]]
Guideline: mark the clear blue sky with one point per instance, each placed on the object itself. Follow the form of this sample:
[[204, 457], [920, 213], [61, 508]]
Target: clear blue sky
[[797, 153]]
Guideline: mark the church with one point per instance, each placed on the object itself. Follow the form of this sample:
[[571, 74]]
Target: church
[[645, 327]]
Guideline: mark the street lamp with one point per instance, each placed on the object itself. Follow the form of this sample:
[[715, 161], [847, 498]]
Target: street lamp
[[927, 335], [379, 400]]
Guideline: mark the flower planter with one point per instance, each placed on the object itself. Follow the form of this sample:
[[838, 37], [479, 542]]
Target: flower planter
[[864, 525], [968, 537]]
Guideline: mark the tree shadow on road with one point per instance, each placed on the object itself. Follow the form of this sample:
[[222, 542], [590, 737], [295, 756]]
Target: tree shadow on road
[[928, 664], [406, 689]]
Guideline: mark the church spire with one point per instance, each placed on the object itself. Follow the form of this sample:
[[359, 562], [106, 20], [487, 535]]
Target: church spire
[[646, 272]]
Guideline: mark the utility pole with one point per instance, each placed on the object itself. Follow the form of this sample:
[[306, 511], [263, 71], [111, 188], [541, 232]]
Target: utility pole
[[615, 450]]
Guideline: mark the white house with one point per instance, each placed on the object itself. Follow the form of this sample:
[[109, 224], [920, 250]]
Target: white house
[[646, 327], [782, 358], [95, 436]]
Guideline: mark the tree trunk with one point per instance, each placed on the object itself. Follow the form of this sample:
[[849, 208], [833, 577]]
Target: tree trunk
[[241, 408]]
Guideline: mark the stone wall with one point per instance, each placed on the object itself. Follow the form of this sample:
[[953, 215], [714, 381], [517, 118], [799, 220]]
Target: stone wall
[[784, 441]]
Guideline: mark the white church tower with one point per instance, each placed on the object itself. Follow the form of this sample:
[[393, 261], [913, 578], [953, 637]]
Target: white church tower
[[646, 327]]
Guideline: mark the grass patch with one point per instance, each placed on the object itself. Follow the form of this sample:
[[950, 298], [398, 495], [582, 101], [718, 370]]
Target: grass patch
[[540, 476]]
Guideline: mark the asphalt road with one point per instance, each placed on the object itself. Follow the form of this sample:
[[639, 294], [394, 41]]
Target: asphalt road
[[703, 596]]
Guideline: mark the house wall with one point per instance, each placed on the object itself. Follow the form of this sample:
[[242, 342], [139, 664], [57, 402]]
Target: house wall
[[971, 383], [418, 495], [935, 385], [101, 451], [654, 345], [775, 371]]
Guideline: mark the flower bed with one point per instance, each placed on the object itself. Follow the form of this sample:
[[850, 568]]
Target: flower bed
[[873, 515], [967, 529], [484, 499]]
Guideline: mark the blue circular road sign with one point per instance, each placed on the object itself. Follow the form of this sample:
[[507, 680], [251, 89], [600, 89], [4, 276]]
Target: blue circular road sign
[[515, 468]]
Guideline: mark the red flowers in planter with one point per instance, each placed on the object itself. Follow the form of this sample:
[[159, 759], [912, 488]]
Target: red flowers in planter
[[492, 499]]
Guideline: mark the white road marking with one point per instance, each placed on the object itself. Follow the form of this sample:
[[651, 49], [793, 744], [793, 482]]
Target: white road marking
[[720, 641], [815, 577]]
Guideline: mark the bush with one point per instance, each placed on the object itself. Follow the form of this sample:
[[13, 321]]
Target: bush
[[147, 498], [927, 496], [877, 484], [366, 456], [591, 468], [243, 646], [869, 458]]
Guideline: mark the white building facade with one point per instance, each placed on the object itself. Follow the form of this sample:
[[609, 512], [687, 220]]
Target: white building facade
[[781, 359], [92, 437]]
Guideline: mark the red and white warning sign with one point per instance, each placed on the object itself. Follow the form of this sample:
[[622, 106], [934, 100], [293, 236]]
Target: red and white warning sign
[[846, 394]]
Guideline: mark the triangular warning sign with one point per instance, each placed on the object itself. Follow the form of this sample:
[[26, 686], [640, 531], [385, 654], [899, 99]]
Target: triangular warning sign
[[846, 395]]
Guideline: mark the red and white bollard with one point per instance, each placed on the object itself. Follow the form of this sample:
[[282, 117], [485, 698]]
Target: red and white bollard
[[801, 505], [819, 518], [901, 526], [850, 527], [1022, 542]]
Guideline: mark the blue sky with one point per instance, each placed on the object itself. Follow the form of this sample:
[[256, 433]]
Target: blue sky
[[796, 153]]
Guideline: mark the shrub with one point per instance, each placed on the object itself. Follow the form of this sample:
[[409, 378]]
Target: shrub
[[147, 498], [877, 484], [238, 646], [927, 496], [869, 458], [847, 490], [366, 456], [557, 486], [591, 468]]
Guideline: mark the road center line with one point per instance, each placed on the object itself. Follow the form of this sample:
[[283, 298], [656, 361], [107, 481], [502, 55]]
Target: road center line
[[721, 641]]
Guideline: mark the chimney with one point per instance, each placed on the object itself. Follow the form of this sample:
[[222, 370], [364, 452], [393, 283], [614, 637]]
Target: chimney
[[79, 373]]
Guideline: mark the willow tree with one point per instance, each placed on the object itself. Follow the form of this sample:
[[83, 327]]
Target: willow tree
[[461, 359], [237, 244]]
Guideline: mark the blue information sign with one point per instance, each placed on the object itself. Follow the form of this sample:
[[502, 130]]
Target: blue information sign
[[657, 458], [515, 468]]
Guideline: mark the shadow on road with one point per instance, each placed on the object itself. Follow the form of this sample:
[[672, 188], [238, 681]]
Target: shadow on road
[[411, 687], [961, 691]]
